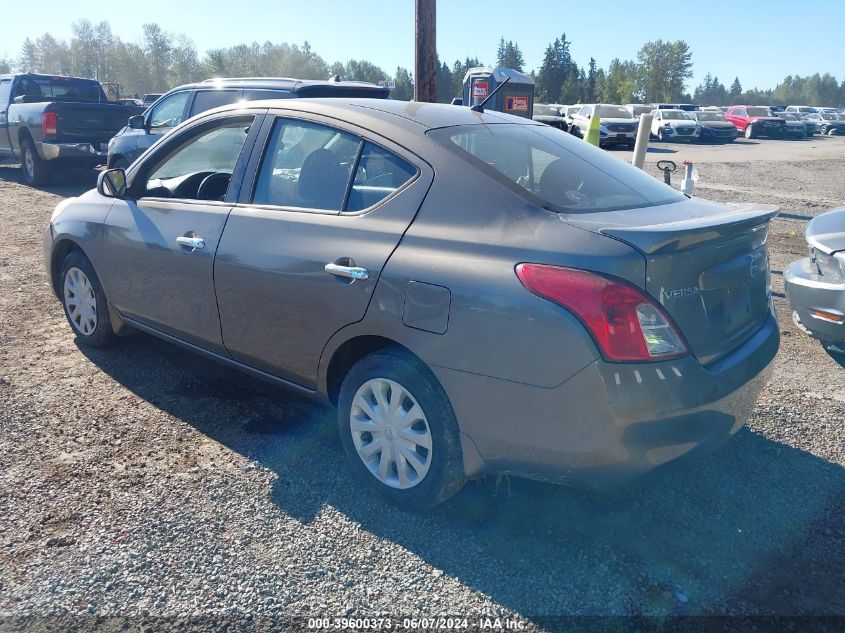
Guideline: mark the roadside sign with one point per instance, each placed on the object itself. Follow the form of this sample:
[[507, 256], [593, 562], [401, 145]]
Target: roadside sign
[[479, 90], [516, 104]]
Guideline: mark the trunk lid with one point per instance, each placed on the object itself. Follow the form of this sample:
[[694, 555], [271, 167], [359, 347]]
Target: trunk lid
[[706, 263], [90, 122]]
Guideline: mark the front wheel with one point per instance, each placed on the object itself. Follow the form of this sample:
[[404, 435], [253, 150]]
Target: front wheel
[[660, 136], [35, 170], [399, 431], [749, 131], [84, 301], [824, 130]]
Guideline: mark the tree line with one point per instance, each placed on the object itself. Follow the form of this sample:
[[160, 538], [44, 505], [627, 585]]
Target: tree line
[[162, 60]]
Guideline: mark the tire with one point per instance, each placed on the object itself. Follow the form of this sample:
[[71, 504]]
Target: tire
[[823, 130], [749, 131], [660, 135], [441, 474], [35, 171], [89, 320]]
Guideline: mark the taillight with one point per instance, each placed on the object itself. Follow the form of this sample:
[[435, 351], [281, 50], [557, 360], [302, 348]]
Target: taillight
[[49, 124], [625, 323]]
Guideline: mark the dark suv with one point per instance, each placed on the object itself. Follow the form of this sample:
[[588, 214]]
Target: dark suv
[[185, 101]]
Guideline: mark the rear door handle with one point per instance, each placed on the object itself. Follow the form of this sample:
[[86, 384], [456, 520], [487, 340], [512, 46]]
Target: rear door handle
[[350, 272], [194, 243]]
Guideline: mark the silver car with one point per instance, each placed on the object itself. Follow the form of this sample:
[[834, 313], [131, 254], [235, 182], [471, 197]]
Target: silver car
[[475, 292], [815, 285]]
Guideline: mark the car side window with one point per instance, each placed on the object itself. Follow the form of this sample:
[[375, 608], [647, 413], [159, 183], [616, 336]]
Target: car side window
[[5, 89], [258, 94], [169, 113], [379, 174], [208, 99], [306, 165], [201, 167]]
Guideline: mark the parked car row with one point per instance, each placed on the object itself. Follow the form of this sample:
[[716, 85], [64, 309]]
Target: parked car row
[[689, 122]]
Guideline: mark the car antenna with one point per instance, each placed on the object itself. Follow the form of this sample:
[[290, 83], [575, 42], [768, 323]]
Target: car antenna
[[480, 106]]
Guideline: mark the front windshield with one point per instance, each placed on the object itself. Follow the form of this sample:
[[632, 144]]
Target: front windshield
[[641, 109], [541, 109], [612, 112], [676, 115], [759, 112], [789, 116], [554, 169], [709, 116]]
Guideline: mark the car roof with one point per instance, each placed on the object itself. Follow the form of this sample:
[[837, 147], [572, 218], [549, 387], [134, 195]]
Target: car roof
[[404, 114], [281, 83], [47, 76]]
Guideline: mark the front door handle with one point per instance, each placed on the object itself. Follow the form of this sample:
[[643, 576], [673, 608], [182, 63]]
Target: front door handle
[[194, 243], [350, 272]]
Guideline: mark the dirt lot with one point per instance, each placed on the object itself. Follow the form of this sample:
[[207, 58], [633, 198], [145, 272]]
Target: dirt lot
[[142, 481]]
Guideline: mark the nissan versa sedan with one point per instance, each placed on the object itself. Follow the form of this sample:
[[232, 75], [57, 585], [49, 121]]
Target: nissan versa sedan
[[475, 292], [815, 285]]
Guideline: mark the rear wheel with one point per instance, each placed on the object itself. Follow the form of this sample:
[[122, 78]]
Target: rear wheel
[[749, 131], [399, 431], [84, 301], [660, 135], [35, 170], [824, 130]]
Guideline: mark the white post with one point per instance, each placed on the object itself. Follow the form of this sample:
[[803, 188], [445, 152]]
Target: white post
[[643, 135]]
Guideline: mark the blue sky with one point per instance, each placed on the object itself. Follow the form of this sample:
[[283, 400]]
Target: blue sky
[[761, 42]]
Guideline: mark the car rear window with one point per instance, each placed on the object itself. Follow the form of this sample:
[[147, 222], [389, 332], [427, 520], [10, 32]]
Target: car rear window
[[208, 99], [554, 169], [59, 88]]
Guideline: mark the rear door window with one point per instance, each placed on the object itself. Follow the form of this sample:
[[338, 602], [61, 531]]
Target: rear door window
[[257, 95], [307, 166], [379, 174], [208, 99]]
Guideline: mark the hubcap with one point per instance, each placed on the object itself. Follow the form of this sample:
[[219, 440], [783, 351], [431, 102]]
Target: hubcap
[[29, 162], [390, 433], [80, 301]]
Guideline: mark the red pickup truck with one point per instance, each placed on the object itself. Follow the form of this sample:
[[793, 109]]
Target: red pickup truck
[[754, 121]]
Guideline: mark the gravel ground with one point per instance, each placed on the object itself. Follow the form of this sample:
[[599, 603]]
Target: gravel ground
[[147, 483]]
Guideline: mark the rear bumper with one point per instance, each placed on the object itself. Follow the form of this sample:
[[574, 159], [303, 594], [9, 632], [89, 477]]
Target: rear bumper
[[94, 153], [808, 293], [611, 421]]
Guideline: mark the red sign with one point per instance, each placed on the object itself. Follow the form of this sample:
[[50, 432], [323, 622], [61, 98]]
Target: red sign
[[516, 104], [479, 90]]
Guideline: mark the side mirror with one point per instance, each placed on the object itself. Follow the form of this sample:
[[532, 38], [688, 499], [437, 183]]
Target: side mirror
[[111, 183], [137, 122]]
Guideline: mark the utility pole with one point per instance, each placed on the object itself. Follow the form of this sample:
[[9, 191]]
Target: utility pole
[[425, 58]]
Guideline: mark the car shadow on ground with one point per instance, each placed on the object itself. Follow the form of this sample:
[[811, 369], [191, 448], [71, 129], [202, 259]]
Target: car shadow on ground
[[67, 182], [747, 530]]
